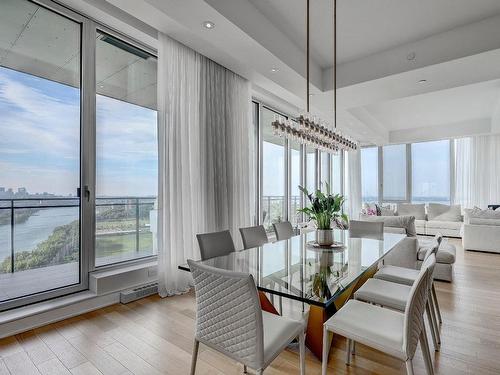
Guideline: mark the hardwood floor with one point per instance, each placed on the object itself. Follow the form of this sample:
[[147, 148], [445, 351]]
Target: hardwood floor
[[154, 336]]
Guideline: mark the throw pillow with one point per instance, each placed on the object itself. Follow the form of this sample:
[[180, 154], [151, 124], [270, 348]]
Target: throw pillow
[[417, 210], [444, 212]]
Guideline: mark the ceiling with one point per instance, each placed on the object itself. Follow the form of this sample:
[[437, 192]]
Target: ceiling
[[385, 48], [367, 26], [34, 40]]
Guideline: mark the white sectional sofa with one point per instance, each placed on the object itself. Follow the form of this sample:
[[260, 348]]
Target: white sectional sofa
[[431, 219], [482, 230]]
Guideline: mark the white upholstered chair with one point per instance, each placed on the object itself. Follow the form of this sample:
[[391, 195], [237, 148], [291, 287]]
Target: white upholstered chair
[[229, 319], [395, 296], [283, 230], [366, 229], [215, 244], [407, 276], [253, 236], [393, 332]]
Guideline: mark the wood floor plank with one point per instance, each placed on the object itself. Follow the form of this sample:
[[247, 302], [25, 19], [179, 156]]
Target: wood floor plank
[[66, 353], [98, 356], [20, 364], [36, 349], [53, 367], [86, 368]]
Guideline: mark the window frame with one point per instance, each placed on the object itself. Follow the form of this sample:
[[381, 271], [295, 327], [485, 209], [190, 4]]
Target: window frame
[[288, 165], [88, 29], [409, 170]]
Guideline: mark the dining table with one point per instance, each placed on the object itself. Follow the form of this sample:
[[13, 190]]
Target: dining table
[[322, 277]]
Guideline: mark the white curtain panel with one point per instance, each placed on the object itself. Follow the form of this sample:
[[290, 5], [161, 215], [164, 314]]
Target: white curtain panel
[[477, 171], [353, 184], [206, 157]]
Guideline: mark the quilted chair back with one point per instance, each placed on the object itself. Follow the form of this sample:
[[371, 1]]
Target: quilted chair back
[[414, 313], [228, 313], [253, 236], [215, 244], [283, 230], [366, 229]]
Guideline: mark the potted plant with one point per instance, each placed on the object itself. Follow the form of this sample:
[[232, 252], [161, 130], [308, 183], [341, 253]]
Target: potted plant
[[323, 209]]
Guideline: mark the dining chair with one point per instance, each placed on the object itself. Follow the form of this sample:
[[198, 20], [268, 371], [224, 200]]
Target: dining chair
[[229, 320], [283, 230], [215, 244], [407, 276], [395, 296], [366, 229], [253, 236], [392, 332]]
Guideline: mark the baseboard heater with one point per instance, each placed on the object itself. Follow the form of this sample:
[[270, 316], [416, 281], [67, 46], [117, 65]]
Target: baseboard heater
[[134, 294]]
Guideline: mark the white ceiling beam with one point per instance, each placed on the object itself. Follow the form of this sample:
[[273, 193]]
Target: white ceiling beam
[[446, 131], [454, 44]]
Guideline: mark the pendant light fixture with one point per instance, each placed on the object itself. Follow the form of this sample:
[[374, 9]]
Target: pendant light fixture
[[309, 129]]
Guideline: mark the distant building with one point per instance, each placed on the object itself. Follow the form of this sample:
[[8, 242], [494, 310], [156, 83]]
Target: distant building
[[2, 190], [21, 190]]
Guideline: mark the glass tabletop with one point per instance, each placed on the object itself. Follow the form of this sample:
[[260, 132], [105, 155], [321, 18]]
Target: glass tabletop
[[297, 269]]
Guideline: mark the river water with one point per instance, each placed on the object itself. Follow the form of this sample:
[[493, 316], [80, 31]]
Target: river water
[[36, 229]]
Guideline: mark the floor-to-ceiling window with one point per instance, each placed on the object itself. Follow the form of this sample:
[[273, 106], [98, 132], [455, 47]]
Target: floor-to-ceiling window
[[273, 171], [295, 181], [311, 168], [394, 173], [284, 165], [65, 117], [324, 170], [126, 150], [40, 91], [369, 174], [431, 172], [336, 173]]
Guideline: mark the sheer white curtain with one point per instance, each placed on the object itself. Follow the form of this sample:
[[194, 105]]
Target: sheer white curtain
[[353, 184], [477, 171], [206, 160]]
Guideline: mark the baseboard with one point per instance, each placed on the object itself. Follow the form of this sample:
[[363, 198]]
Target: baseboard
[[13, 322]]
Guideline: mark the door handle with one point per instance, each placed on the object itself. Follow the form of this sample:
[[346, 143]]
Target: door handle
[[86, 192]]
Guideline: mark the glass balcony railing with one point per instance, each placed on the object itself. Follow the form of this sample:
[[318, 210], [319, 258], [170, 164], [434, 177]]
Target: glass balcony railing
[[125, 229], [273, 208]]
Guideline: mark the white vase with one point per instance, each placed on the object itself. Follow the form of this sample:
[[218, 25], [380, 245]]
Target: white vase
[[324, 237]]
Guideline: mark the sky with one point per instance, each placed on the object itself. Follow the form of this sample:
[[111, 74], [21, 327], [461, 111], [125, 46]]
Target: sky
[[40, 140], [430, 171]]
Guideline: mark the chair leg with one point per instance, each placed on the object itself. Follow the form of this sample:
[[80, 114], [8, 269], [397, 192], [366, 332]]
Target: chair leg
[[432, 326], [435, 319], [353, 347], [424, 345], [348, 352], [409, 367], [302, 350], [245, 369], [324, 362], [436, 303], [195, 356]]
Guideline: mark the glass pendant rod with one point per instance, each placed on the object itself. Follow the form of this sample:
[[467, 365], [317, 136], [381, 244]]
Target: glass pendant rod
[[335, 64], [307, 58]]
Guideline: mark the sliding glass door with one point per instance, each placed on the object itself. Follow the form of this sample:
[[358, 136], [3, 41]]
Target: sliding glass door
[[78, 151], [126, 151], [40, 127]]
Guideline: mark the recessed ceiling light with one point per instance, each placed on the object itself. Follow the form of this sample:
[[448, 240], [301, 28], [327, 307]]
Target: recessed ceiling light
[[209, 25], [422, 81], [274, 70]]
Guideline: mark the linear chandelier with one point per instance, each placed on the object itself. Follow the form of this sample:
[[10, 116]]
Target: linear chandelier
[[308, 129]]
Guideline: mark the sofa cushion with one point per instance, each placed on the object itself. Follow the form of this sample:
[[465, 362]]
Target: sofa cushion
[[417, 210], [476, 213], [406, 222], [394, 230], [445, 254], [481, 221], [443, 212], [455, 225]]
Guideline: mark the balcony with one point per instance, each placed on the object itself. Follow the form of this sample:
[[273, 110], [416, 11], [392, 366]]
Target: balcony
[[273, 208], [40, 239]]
